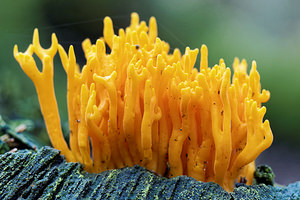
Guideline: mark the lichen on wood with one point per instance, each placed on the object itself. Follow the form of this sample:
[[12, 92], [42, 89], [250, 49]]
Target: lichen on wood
[[45, 174]]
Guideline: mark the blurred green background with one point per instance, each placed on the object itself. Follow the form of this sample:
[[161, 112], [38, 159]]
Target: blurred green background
[[267, 31]]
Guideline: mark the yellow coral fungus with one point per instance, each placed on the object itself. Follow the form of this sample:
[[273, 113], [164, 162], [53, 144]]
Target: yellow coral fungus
[[141, 104]]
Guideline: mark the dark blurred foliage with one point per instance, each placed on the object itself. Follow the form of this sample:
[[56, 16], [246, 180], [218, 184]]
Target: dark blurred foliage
[[267, 31]]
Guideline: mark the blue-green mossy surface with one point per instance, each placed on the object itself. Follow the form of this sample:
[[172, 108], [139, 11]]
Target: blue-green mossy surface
[[45, 174]]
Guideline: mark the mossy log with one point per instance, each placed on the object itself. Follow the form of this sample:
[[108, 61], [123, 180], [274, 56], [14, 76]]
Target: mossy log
[[45, 174]]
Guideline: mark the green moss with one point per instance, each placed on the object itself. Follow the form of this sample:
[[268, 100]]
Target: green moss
[[28, 138], [263, 174], [3, 147]]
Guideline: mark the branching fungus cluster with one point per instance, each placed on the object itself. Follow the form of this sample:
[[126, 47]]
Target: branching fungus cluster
[[141, 104]]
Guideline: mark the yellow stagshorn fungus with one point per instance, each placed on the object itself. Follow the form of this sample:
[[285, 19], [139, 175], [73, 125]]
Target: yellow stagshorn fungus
[[141, 104]]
